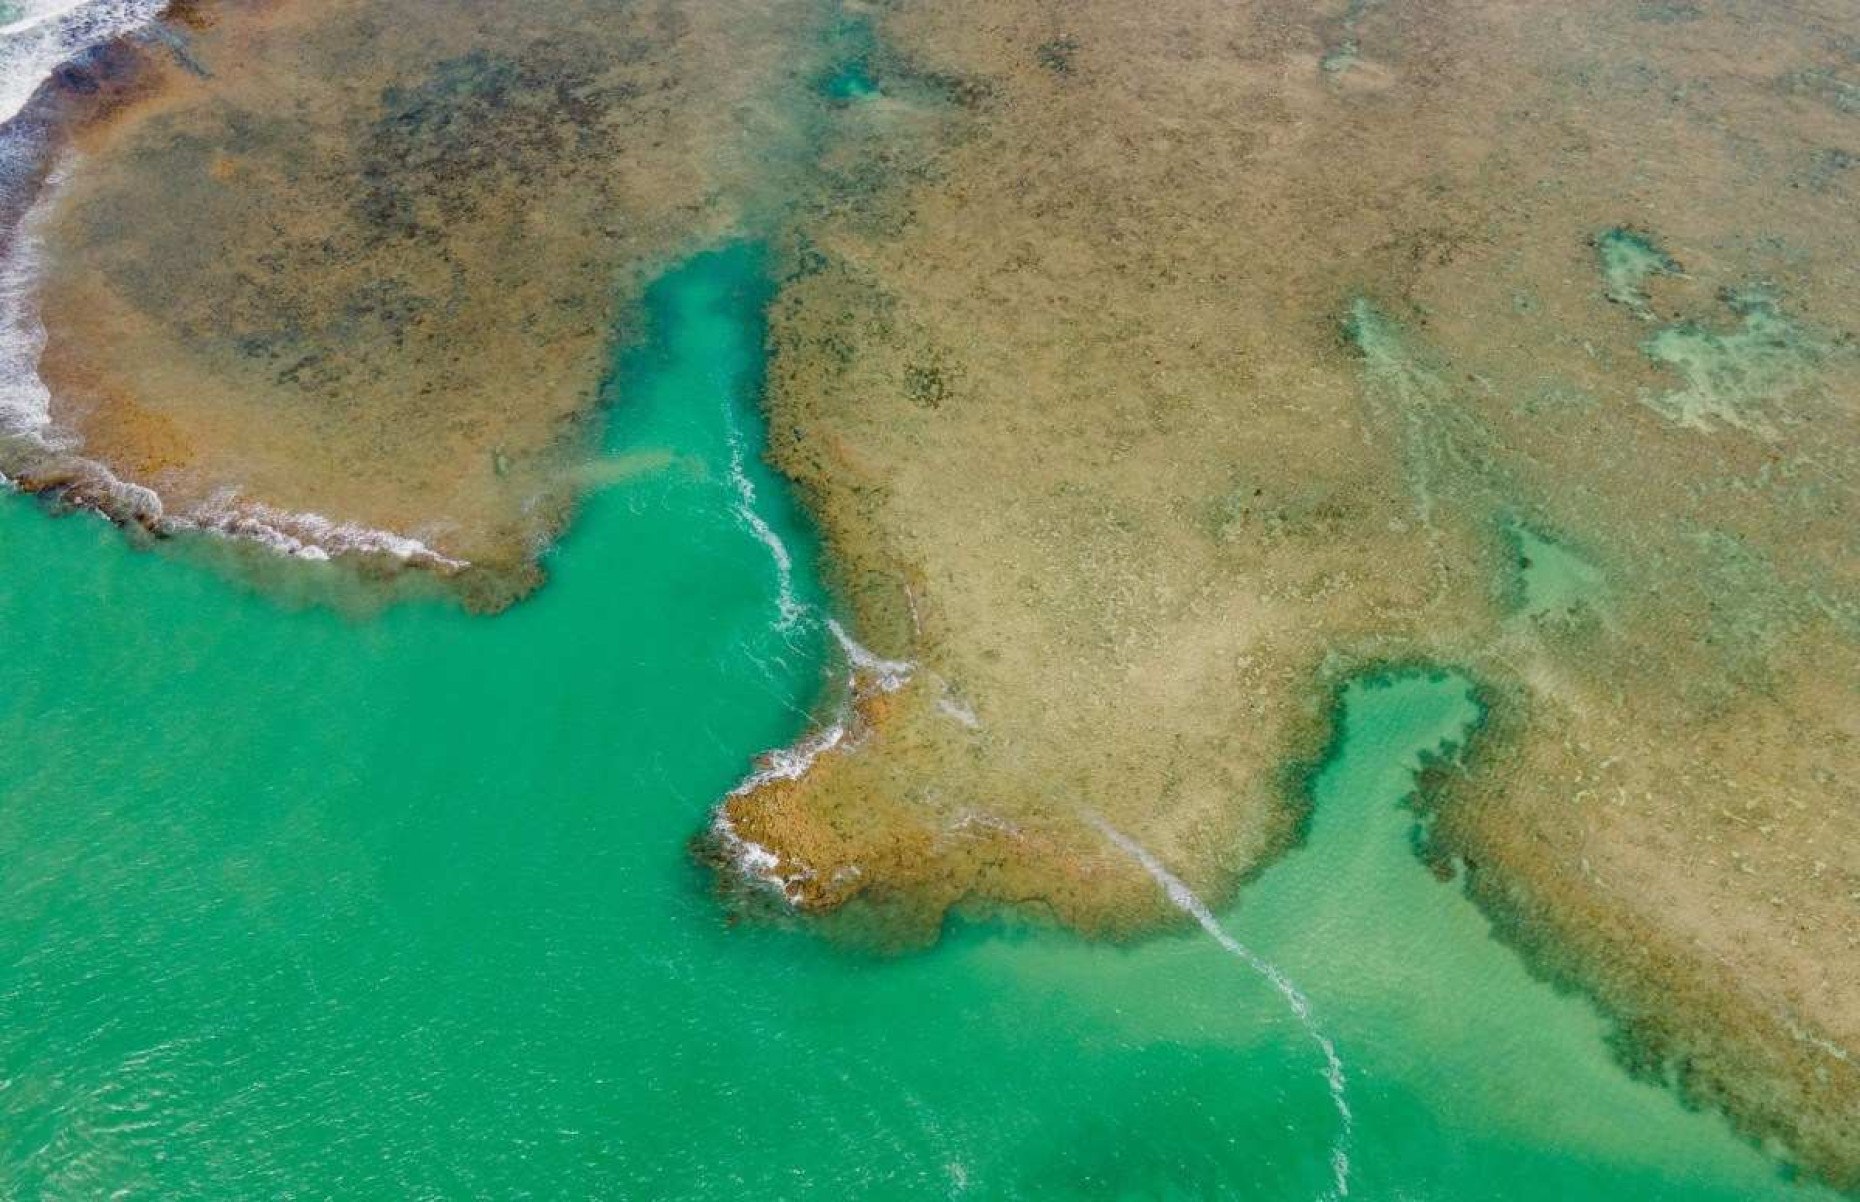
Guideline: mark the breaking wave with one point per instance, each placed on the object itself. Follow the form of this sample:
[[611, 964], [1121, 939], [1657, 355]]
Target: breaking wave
[[25, 404], [308, 535], [47, 34]]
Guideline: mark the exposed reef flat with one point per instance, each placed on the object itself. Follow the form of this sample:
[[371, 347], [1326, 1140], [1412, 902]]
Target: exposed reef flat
[[1152, 369], [1212, 358], [345, 276]]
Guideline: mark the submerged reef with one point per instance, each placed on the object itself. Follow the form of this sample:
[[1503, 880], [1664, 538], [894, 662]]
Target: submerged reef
[[1735, 377], [1067, 392], [346, 277], [1150, 373]]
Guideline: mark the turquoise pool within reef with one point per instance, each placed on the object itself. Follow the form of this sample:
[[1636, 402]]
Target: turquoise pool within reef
[[1552, 582], [1629, 259], [850, 75], [399, 906], [850, 81]]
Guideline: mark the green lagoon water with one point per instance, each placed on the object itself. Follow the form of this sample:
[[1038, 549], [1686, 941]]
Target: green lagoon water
[[297, 904]]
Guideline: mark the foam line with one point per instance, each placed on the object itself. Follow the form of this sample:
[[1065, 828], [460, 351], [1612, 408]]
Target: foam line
[[308, 535], [889, 675], [787, 604], [25, 402], [792, 763], [48, 35], [752, 859], [1184, 899]]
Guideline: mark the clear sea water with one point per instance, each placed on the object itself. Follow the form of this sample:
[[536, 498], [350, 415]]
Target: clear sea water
[[297, 903]]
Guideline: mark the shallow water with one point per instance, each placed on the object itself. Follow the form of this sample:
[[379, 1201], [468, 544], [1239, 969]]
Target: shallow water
[[400, 906], [1554, 582]]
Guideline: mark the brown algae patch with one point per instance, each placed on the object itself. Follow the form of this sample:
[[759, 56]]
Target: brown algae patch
[[356, 267], [1066, 389]]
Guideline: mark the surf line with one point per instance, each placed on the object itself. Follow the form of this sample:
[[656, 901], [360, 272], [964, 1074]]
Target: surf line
[[26, 416], [1184, 899], [866, 673], [44, 34]]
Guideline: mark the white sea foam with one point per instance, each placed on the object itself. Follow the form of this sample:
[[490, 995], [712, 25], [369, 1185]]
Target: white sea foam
[[25, 403], [49, 33], [307, 535], [792, 763], [751, 859], [1184, 899], [889, 675], [128, 500], [867, 671], [787, 604], [755, 861]]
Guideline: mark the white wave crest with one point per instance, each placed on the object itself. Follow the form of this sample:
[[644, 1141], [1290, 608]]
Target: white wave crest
[[889, 675], [44, 35], [869, 671], [752, 860], [49, 33], [756, 862], [1184, 899], [25, 402], [791, 763], [787, 605], [307, 535]]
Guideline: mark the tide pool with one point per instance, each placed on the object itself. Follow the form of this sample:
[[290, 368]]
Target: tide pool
[[293, 902]]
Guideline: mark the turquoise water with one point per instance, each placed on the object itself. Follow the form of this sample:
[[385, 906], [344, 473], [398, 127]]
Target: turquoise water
[[1736, 377], [850, 81], [302, 903], [849, 76], [1629, 260], [1552, 582]]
